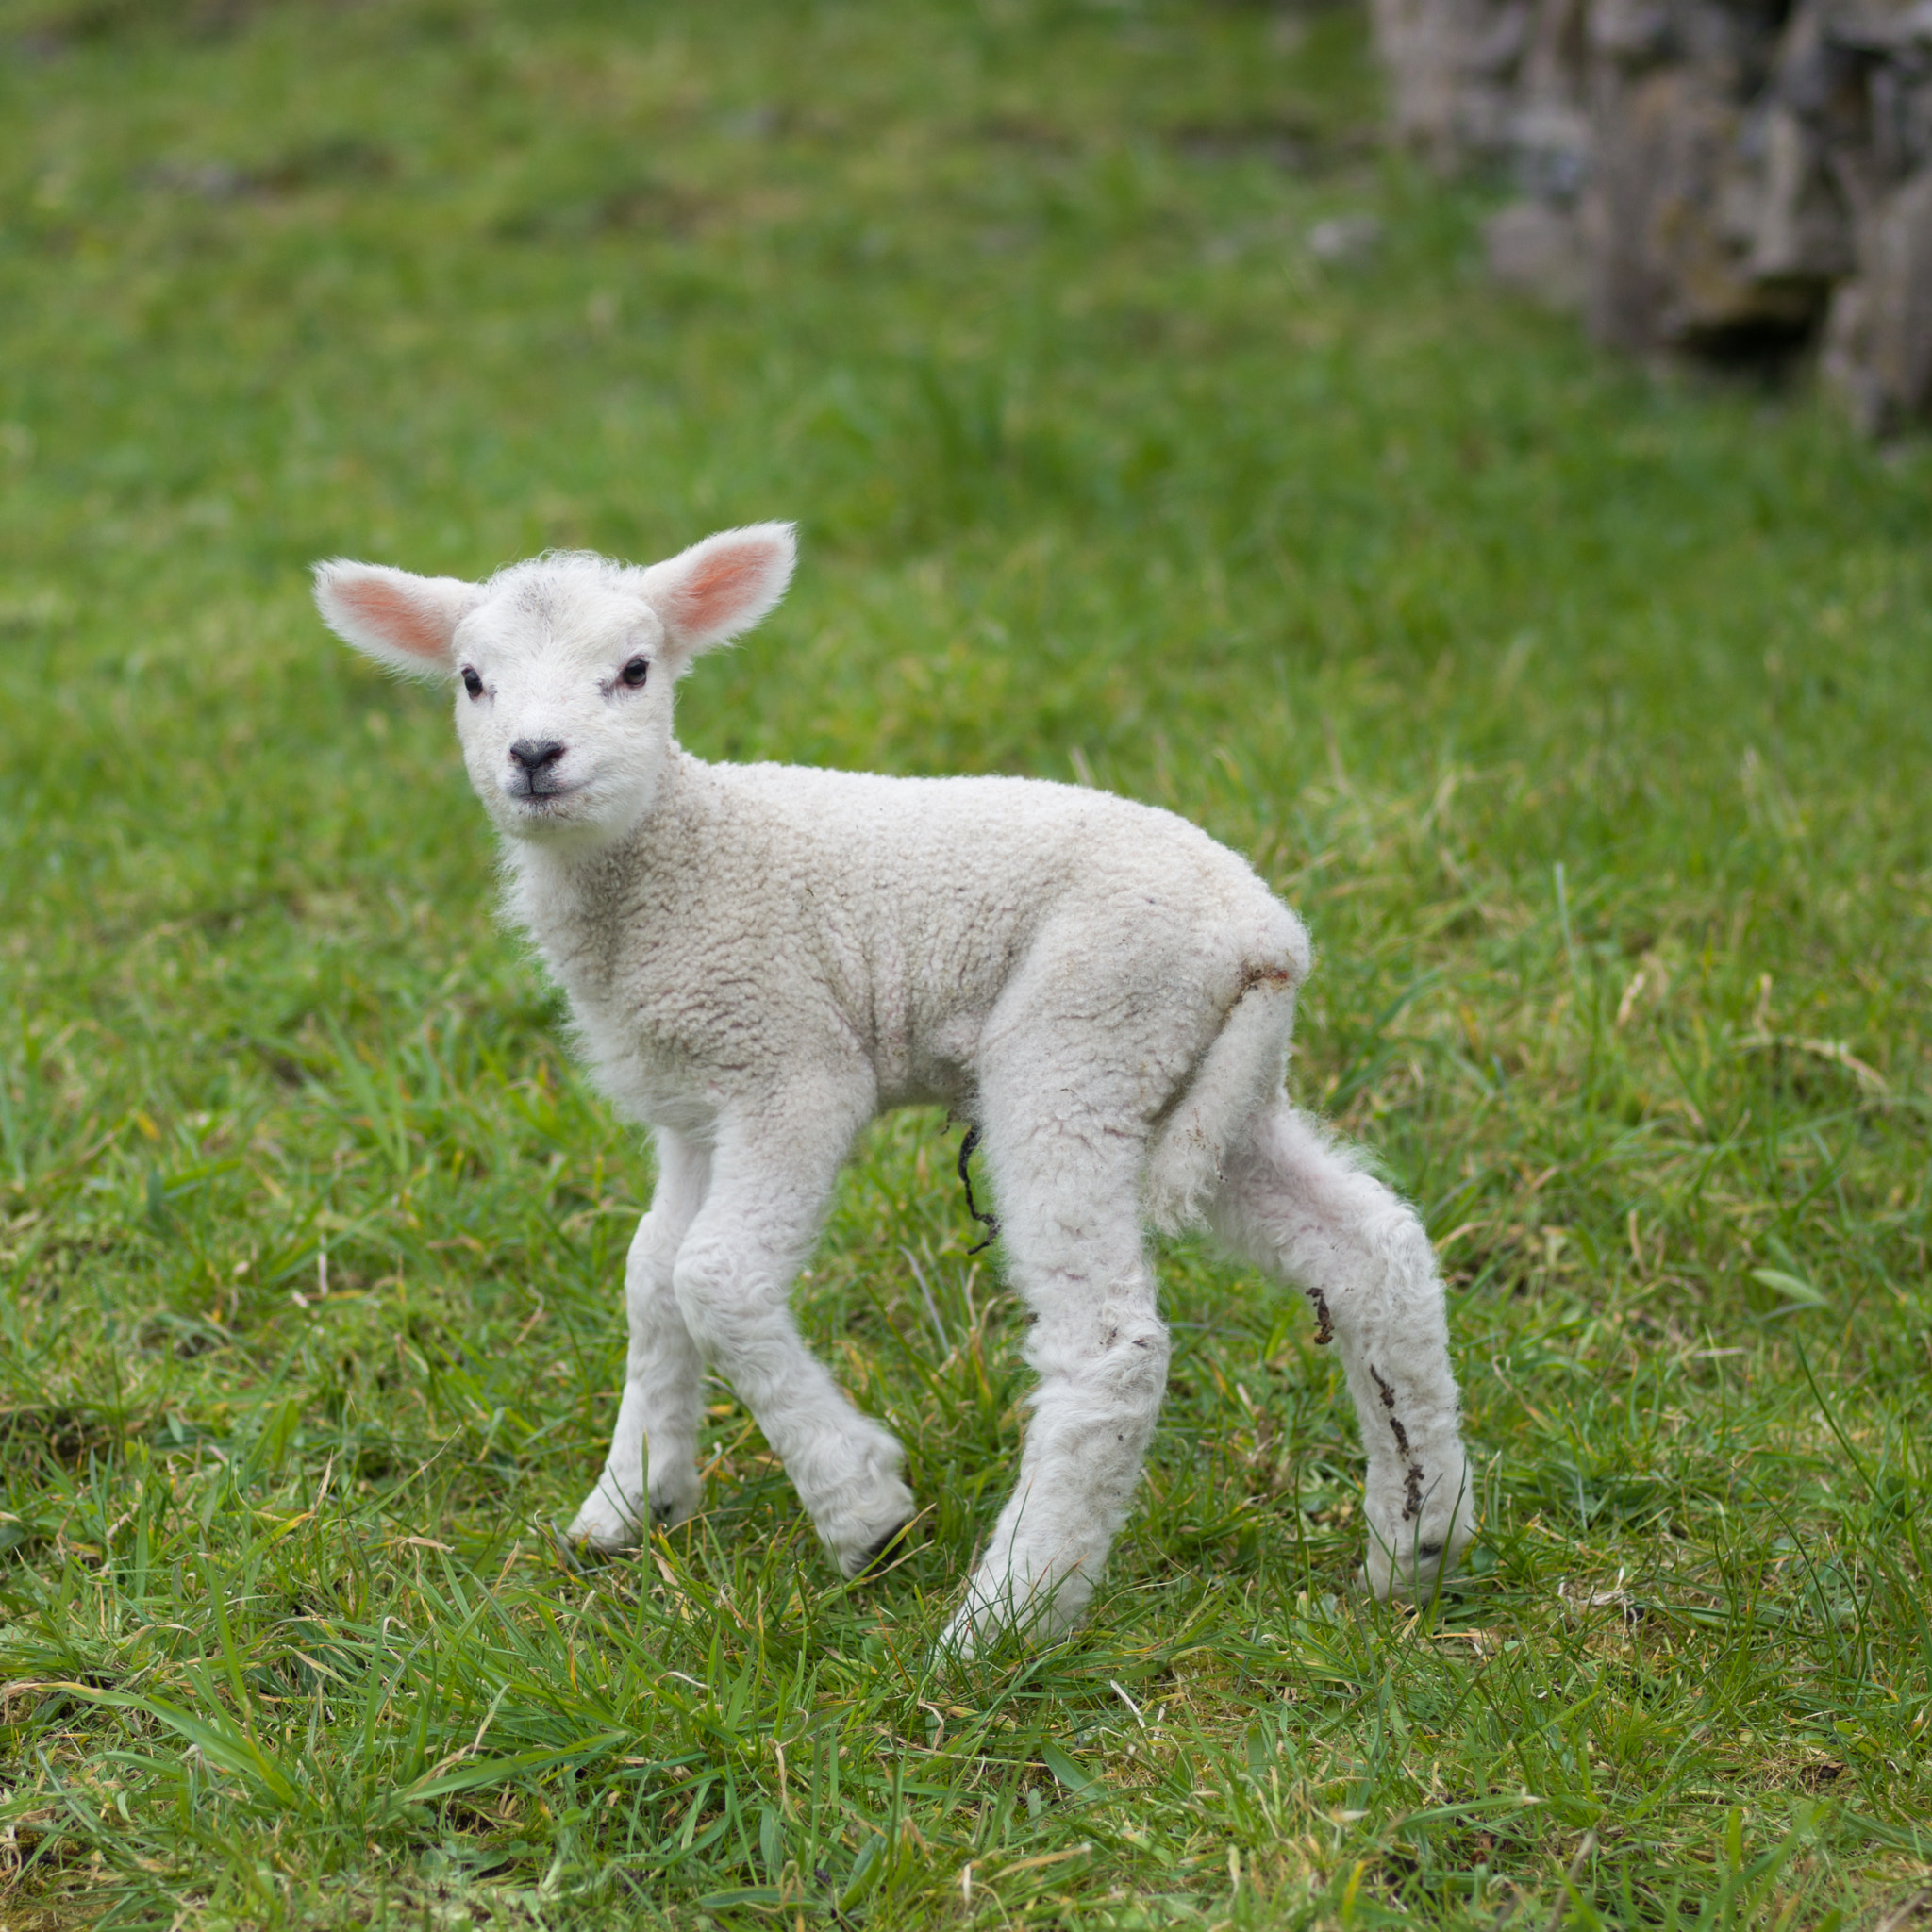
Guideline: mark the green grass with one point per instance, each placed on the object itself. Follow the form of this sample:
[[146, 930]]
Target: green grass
[[1583, 712]]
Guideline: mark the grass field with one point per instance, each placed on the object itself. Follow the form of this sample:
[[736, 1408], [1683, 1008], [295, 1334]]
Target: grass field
[[1584, 713]]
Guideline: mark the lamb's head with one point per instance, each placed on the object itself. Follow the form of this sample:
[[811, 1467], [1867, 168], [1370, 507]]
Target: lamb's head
[[563, 665]]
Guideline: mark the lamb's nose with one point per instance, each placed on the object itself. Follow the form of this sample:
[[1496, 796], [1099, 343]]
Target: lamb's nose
[[534, 754]]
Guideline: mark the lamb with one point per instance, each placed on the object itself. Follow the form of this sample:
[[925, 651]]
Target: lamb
[[759, 959]]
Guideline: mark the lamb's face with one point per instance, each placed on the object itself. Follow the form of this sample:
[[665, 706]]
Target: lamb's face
[[563, 704], [563, 666]]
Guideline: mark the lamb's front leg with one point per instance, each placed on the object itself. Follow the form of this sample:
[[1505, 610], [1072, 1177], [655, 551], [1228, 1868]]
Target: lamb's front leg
[[651, 1474], [772, 1177], [1296, 1205]]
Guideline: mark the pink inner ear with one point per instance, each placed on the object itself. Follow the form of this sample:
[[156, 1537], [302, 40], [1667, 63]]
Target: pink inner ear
[[722, 585], [398, 618]]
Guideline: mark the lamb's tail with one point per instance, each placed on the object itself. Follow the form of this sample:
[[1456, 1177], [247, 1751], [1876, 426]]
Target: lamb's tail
[[1241, 1072]]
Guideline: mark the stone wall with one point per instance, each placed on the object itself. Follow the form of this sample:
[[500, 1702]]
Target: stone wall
[[1716, 176]]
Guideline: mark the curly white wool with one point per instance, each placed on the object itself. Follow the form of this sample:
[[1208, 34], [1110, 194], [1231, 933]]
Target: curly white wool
[[760, 958]]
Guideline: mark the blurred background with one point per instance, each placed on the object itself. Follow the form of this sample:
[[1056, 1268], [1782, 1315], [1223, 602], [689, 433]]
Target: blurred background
[[1465, 458], [1740, 181]]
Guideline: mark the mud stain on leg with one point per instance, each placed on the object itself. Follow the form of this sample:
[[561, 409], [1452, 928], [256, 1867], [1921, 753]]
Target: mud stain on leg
[[1412, 1494], [1325, 1328]]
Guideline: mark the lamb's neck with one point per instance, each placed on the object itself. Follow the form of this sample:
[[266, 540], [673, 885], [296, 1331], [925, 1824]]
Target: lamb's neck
[[565, 896]]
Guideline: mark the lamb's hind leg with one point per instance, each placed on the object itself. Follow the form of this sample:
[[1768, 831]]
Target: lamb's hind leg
[[1068, 1201], [658, 1418], [1296, 1205]]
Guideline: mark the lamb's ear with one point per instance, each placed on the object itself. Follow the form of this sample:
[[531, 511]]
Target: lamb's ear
[[402, 620], [720, 587]]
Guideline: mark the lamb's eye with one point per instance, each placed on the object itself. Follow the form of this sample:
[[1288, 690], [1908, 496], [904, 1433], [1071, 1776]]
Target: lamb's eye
[[472, 683], [636, 672]]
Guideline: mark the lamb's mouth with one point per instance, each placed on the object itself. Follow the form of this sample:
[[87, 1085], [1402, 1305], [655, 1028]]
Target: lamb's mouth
[[537, 799]]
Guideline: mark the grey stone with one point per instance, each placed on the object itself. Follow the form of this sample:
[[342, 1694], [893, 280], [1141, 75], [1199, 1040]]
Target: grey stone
[[1345, 240], [1702, 175], [1536, 249]]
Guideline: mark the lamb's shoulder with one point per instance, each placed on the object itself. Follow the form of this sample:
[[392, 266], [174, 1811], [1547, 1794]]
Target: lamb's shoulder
[[691, 961]]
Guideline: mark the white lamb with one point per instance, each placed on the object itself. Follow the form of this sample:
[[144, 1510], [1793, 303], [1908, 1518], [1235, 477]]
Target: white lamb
[[760, 958]]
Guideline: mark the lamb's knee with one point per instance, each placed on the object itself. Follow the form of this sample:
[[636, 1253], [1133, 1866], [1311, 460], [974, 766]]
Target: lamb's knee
[[1395, 1236], [653, 1253], [1134, 1364], [723, 1312], [648, 1299], [1299, 1205], [1122, 1356]]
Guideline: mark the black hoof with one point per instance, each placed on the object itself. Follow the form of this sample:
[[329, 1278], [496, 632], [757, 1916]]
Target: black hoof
[[888, 1547]]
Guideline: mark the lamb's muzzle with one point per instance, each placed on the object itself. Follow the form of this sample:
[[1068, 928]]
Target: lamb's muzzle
[[533, 769], [760, 958]]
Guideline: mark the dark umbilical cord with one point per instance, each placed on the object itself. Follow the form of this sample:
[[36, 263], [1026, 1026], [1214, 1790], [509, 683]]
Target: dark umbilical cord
[[986, 1220]]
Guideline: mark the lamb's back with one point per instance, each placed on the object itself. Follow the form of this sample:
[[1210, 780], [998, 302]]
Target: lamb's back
[[935, 891], [1002, 855]]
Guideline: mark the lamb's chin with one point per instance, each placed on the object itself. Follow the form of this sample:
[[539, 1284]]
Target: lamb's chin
[[568, 824]]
